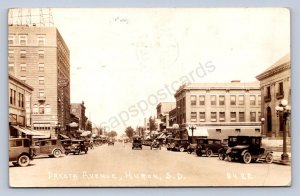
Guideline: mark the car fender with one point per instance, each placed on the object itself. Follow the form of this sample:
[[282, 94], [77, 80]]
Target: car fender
[[27, 154], [243, 152]]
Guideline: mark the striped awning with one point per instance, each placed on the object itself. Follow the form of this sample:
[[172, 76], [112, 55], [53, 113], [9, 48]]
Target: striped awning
[[28, 131]]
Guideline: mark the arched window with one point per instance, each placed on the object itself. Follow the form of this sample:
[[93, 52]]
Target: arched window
[[48, 109], [35, 109]]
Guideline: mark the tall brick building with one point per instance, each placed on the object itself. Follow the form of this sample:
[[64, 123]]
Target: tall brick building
[[40, 57]]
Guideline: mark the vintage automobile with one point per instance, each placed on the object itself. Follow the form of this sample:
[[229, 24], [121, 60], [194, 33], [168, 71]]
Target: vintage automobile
[[19, 151], [248, 149], [50, 147], [66, 143], [111, 142], [147, 142], [78, 146], [155, 144], [208, 147], [169, 141], [228, 143], [179, 145], [136, 142]]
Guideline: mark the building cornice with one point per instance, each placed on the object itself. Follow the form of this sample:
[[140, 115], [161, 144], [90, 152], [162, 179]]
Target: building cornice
[[274, 71]]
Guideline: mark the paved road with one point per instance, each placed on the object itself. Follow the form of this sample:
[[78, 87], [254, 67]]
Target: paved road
[[120, 166]]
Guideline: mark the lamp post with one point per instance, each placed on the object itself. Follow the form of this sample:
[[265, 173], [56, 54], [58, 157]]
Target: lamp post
[[262, 120], [285, 110], [192, 127]]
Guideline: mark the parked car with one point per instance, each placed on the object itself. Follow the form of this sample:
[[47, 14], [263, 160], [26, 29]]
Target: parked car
[[147, 142], [155, 144], [227, 143], [179, 145], [169, 141], [20, 151], [136, 142], [248, 149], [110, 142], [208, 147], [50, 147], [78, 146], [67, 143]]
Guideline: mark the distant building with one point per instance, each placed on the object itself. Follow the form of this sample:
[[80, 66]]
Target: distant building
[[163, 110], [219, 106], [173, 117], [78, 110], [275, 83], [20, 95], [40, 57]]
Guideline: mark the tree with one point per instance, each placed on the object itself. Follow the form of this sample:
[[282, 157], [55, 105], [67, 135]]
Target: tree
[[129, 131], [152, 125], [112, 134]]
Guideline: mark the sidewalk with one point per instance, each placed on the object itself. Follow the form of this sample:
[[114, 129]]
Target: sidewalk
[[277, 158]]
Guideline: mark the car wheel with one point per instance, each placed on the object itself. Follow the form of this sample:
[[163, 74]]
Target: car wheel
[[56, 153], [198, 153], [181, 149], [23, 160], [247, 157], [221, 156], [269, 158], [209, 153], [229, 158]]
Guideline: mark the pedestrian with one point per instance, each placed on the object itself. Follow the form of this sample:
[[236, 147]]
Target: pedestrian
[[123, 143]]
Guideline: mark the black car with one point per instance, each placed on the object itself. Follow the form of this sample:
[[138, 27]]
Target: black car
[[248, 149], [77, 147], [208, 147], [155, 144], [136, 142], [179, 145]]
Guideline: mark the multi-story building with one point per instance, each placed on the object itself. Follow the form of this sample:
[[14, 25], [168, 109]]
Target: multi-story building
[[275, 83], [78, 110], [163, 110], [40, 57], [19, 105], [173, 116], [219, 107]]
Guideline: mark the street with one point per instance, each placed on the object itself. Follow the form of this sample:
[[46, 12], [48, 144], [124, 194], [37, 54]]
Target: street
[[109, 166]]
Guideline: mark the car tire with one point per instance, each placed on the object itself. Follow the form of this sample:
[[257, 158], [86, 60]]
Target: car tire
[[56, 153], [222, 156], [269, 158], [229, 158], [199, 154], [181, 149], [23, 160], [209, 153], [247, 157]]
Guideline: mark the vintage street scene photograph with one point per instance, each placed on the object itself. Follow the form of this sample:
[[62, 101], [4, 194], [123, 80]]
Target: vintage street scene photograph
[[149, 97]]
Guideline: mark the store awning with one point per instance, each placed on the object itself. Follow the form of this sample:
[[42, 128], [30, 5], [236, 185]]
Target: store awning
[[64, 136], [162, 136], [85, 133], [28, 131], [199, 131]]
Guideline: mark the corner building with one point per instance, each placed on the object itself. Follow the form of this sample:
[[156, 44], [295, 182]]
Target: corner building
[[40, 57]]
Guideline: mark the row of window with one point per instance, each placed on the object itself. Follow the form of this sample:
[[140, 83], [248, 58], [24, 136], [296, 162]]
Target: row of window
[[234, 100], [41, 109], [23, 53], [41, 79], [23, 39], [23, 67], [16, 99], [233, 117]]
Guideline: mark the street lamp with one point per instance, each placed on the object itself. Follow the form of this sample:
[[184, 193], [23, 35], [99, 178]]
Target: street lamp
[[192, 127], [262, 120], [285, 110]]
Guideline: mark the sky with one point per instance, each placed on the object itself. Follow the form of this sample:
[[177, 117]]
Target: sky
[[125, 61]]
